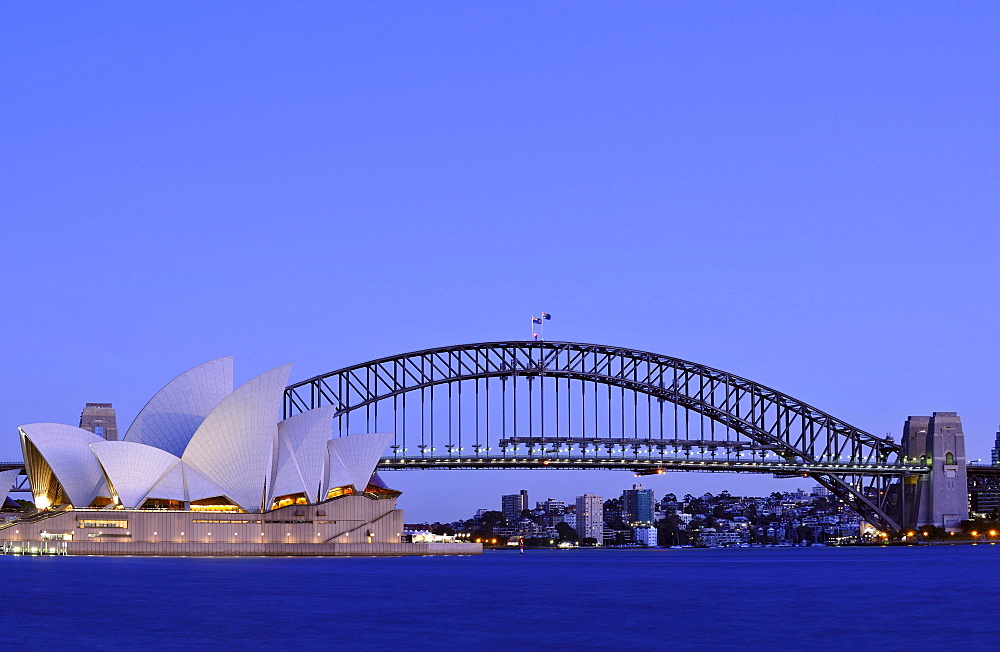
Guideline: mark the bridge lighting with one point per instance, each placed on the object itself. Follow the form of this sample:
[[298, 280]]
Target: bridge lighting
[[993, 533]]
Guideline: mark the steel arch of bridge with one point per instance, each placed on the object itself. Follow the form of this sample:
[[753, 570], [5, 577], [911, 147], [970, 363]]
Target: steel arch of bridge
[[745, 420]]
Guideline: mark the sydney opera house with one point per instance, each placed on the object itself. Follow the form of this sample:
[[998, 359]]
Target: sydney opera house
[[208, 470]]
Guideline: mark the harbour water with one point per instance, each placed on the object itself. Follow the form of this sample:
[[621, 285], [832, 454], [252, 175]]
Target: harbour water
[[885, 598]]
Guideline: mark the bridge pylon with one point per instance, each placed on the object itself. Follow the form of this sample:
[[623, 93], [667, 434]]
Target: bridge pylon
[[939, 498]]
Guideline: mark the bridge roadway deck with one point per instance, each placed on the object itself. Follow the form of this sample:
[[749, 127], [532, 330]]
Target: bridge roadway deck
[[647, 466], [985, 471], [638, 465]]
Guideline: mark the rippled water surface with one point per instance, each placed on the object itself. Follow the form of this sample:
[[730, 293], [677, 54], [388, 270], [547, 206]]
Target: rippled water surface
[[780, 598]]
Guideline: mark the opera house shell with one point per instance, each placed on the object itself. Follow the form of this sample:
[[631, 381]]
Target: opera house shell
[[201, 456]]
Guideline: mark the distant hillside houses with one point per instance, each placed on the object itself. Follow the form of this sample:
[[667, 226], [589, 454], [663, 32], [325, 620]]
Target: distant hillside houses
[[636, 518]]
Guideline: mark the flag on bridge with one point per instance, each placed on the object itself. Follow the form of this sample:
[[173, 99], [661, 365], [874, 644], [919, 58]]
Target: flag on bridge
[[546, 315], [536, 320]]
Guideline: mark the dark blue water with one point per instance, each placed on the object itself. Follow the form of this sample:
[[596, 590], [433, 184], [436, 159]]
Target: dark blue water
[[780, 598]]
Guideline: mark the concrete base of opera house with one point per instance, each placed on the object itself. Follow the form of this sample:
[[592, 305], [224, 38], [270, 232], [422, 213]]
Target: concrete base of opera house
[[352, 525], [150, 549]]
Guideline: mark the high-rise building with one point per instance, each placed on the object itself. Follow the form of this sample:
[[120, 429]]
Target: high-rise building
[[513, 504], [590, 517], [637, 506], [552, 506], [985, 501], [99, 418]]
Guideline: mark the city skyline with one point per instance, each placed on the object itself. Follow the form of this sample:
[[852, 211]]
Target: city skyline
[[637, 518], [545, 292], [802, 198]]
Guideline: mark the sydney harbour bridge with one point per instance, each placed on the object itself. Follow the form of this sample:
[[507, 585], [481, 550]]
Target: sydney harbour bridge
[[565, 405]]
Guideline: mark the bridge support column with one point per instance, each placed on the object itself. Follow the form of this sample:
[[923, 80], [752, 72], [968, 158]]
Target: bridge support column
[[941, 497]]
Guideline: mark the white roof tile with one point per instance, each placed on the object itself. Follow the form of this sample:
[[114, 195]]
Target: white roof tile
[[66, 449], [302, 452], [132, 469], [234, 447], [171, 417], [358, 456]]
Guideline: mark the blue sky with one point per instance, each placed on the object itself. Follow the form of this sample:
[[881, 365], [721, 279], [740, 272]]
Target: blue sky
[[801, 194]]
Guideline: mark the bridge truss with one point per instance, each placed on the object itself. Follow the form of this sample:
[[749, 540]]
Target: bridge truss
[[565, 405]]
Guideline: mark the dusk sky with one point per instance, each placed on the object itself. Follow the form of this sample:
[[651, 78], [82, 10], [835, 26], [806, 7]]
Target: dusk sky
[[804, 194]]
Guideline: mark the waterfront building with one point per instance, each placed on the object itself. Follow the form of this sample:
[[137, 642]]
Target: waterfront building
[[637, 506], [99, 418], [713, 538], [590, 517], [512, 505], [995, 453], [206, 469], [646, 536]]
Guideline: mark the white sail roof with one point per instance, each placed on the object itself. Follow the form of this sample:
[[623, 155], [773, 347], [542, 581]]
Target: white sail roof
[[132, 469], [66, 450], [336, 473], [171, 485], [302, 452], [359, 455], [286, 477], [234, 447], [198, 487], [184, 483], [171, 417], [7, 480]]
